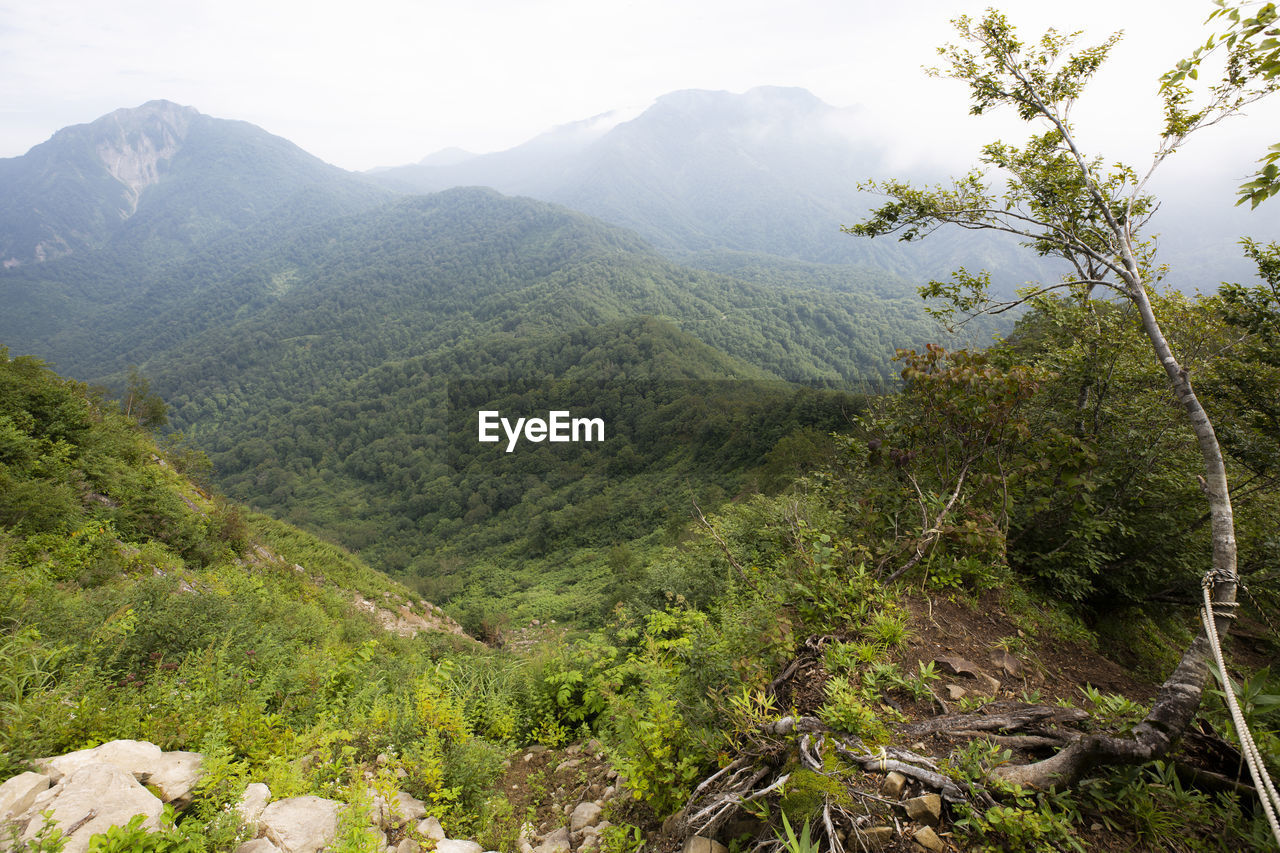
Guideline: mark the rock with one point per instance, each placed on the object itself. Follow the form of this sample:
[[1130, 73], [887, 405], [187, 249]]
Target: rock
[[408, 845], [175, 774], [430, 828], [594, 747], [571, 764], [893, 785], [450, 845], [555, 842], [107, 792], [927, 839], [17, 794], [957, 665], [137, 757], [698, 844], [926, 809], [872, 838], [955, 692], [573, 749], [301, 824], [258, 845], [1001, 659], [537, 749], [410, 807], [253, 801]]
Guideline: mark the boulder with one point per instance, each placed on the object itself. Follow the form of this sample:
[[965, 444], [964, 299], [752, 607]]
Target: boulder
[[584, 815], [92, 798], [926, 809], [410, 807], [927, 839], [698, 844], [431, 828], [555, 842], [137, 757], [450, 845], [893, 784], [408, 845], [258, 845], [301, 824], [17, 794], [175, 774], [253, 801]]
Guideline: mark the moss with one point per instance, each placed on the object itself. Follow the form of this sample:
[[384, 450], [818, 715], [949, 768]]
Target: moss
[[807, 791]]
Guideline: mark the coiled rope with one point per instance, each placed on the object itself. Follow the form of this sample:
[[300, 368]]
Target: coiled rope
[[1261, 779]]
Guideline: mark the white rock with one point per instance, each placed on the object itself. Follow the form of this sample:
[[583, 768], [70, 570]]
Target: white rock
[[253, 801], [301, 824], [410, 807], [258, 845], [17, 794], [110, 793], [132, 756], [584, 815], [555, 842], [450, 845], [408, 845], [431, 828], [175, 774]]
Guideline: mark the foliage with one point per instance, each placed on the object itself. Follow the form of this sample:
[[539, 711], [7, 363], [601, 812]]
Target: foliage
[[1252, 63], [134, 837], [793, 844]]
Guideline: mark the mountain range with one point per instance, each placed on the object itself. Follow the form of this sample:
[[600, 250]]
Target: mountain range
[[306, 326]]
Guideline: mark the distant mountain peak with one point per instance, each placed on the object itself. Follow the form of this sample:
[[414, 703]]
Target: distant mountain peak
[[135, 144], [447, 157], [161, 172]]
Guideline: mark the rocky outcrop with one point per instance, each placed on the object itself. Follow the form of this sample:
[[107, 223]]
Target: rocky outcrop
[[90, 790], [91, 798], [402, 620]]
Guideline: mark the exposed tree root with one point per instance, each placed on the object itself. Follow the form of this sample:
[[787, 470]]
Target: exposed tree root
[[770, 758]]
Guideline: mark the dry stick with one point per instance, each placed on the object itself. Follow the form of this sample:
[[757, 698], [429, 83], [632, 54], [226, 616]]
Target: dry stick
[[948, 789], [932, 534], [714, 776], [831, 830]]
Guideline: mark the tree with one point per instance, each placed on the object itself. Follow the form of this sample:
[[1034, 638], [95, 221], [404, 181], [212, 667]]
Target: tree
[[1066, 204], [142, 404], [1252, 46]]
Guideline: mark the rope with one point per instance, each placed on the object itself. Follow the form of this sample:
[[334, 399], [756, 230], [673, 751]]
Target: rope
[[1261, 779]]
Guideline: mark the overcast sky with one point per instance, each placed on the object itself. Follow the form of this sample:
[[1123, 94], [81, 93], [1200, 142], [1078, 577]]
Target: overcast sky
[[385, 82]]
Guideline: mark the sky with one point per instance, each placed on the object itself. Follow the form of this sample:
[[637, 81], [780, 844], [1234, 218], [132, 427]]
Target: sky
[[386, 82]]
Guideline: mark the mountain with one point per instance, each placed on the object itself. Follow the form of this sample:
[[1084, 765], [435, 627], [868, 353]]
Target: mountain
[[313, 361], [160, 178], [773, 171], [321, 352]]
